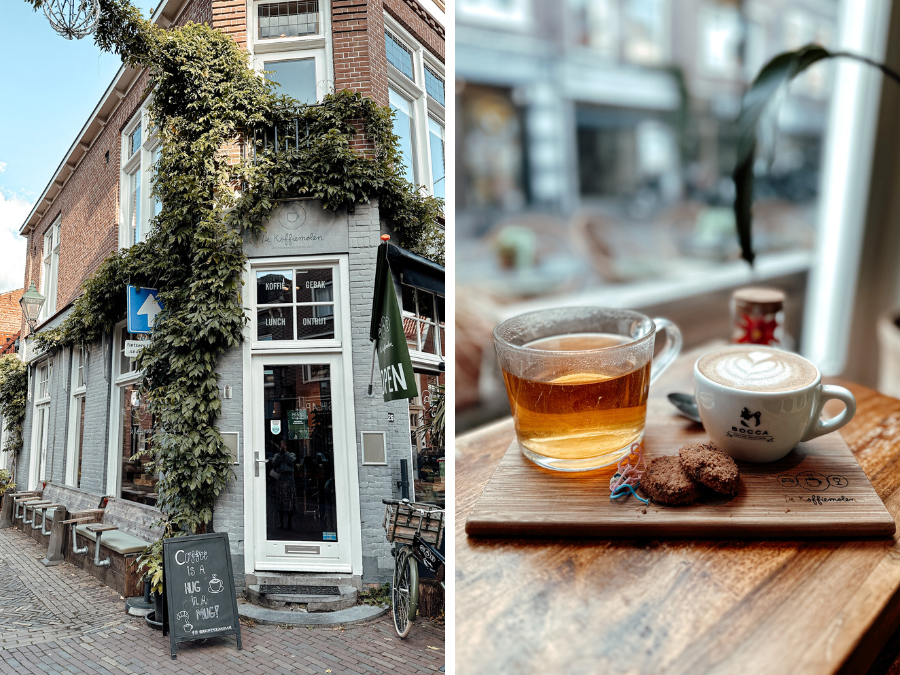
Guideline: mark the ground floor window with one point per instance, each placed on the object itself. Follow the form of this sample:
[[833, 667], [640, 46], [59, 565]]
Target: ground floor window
[[79, 438], [427, 442], [137, 481]]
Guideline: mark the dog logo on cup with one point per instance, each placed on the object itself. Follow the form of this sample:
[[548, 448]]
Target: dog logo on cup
[[748, 431]]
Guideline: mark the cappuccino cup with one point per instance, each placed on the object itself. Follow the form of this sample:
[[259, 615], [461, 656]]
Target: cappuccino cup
[[757, 402]]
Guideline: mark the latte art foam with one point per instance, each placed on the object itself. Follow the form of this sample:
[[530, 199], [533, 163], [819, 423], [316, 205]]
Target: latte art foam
[[758, 369]]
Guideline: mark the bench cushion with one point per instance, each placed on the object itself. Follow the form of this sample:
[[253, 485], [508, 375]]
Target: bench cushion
[[115, 540]]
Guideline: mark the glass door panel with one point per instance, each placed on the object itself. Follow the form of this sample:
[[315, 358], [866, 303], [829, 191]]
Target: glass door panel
[[300, 490]]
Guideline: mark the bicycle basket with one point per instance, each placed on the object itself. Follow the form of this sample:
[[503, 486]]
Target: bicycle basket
[[402, 521]]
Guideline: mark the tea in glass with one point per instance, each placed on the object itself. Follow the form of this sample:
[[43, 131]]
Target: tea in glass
[[578, 396]]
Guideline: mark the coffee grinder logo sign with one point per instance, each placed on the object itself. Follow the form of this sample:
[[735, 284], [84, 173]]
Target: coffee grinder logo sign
[[748, 427], [384, 334], [292, 216]]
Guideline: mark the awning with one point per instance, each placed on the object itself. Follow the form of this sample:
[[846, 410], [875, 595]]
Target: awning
[[416, 271]]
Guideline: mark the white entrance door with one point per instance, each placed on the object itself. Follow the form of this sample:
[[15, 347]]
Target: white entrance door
[[303, 456], [39, 449]]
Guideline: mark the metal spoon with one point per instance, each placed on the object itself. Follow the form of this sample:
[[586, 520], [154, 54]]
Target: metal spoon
[[686, 405]]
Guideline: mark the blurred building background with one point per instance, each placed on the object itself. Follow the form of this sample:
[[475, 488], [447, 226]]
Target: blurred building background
[[595, 142]]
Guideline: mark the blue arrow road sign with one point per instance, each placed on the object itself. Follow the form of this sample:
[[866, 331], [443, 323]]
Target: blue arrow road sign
[[143, 306]]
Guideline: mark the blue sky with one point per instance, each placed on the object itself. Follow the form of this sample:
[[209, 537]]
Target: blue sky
[[48, 87]]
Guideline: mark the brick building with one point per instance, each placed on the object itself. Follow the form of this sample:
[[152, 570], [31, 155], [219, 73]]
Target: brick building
[[300, 377], [10, 320]]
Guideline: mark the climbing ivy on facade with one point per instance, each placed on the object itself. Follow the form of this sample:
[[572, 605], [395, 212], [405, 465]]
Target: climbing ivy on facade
[[13, 394], [215, 184]]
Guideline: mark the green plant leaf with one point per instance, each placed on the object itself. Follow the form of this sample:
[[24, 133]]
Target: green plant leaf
[[773, 76]]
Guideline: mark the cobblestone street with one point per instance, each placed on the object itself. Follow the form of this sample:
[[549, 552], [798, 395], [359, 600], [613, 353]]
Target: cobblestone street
[[62, 620]]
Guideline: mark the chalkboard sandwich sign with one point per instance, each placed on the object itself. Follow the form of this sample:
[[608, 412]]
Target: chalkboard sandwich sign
[[199, 589]]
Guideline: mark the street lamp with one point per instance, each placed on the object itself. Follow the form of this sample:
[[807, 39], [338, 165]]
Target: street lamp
[[31, 302]]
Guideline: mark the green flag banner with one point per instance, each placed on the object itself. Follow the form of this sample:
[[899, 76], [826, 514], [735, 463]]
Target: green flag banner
[[386, 329]]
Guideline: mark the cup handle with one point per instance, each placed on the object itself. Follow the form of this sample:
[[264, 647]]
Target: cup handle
[[673, 347], [816, 426]]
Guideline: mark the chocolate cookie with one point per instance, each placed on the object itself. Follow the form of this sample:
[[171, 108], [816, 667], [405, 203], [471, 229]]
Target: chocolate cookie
[[665, 481], [708, 465]]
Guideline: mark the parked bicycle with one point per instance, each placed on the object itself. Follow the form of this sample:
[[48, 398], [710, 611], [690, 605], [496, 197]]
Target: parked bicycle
[[416, 530]]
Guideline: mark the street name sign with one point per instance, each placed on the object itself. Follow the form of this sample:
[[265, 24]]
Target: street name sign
[[143, 306], [134, 347], [200, 597]]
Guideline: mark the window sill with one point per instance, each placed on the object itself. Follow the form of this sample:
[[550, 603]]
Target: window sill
[[291, 44]]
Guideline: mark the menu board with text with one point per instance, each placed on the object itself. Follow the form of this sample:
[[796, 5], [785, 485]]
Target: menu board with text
[[201, 601]]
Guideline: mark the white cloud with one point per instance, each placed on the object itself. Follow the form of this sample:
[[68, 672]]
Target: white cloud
[[13, 212], [3, 166]]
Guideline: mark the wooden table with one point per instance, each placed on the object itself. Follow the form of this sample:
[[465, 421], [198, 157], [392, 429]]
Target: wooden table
[[679, 606]]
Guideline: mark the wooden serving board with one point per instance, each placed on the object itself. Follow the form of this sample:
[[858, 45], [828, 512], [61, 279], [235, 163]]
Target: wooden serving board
[[818, 490]]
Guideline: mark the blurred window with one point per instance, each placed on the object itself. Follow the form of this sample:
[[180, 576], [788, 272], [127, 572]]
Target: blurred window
[[288, 19], [399, 55], [515, 10], [720, 38], [492, 160], [596, 25], [646, 31]]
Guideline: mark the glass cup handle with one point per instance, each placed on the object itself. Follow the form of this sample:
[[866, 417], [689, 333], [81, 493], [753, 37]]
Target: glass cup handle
[[669, 353]]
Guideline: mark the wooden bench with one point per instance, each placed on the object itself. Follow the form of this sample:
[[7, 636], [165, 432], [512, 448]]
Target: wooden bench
[[55, 501], [107, 544]]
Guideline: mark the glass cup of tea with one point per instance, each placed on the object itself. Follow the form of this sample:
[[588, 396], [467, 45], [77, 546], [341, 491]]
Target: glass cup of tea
[[577, 380]]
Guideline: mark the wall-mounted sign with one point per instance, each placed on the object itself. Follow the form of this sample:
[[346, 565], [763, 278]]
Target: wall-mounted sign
[[143, 307], [134, 347], [301, 227]]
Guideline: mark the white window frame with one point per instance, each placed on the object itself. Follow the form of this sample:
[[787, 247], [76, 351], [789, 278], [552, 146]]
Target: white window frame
[[37, 470], [423, 106], [417, 356], [140, 164], [78, 393], [50, 267], [316, 47], [119, 381], [340, 279]]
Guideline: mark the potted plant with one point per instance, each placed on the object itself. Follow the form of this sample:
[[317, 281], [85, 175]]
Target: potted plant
[[150, 563], [6, 482]]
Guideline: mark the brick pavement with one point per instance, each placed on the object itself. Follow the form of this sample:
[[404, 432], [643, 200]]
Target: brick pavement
[[60, 620]]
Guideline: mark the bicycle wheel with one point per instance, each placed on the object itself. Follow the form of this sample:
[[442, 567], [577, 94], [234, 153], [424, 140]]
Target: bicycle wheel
[[404, 591]]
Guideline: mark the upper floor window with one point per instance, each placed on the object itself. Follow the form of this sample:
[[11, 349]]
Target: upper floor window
[[50, 271], [423, 320], [140, 155], [43, 388], [416, 97], [287, 19], [295, 77]]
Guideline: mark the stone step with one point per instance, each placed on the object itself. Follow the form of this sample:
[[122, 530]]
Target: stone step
[[303, 579], [343, 617], [303, 602]]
